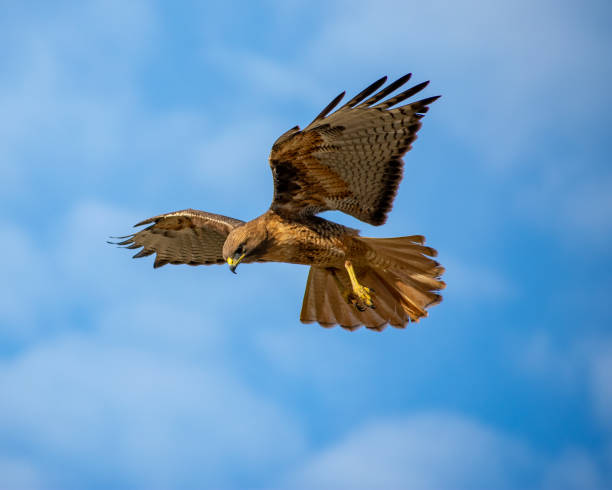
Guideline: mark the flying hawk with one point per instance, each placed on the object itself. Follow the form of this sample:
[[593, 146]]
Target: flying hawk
[[350, 161]]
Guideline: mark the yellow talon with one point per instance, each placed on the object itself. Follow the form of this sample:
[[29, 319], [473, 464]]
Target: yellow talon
[[361, 296]]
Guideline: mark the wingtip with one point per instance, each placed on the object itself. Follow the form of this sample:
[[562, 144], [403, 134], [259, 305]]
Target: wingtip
[[405, 78], [430, 100], [329, 107], [146, 221]]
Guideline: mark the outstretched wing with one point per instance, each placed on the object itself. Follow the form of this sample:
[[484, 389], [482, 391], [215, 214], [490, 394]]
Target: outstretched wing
[[350, 160], [183, 237]]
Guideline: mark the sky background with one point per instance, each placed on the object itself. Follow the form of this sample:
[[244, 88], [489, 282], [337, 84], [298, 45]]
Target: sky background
[[116, 375]]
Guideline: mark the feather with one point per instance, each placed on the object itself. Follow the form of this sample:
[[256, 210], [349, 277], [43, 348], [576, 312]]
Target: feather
[[365, 92], [182, 237], [349, 160], [401, 96], [328, 108], [386, 91]]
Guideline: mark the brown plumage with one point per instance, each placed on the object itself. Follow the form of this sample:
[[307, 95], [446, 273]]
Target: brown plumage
[[351, 161]]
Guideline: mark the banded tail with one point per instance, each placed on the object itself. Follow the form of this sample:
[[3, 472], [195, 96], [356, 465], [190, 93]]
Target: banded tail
[[400, 271]]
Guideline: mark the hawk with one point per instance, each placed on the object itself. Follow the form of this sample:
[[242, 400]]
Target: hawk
[[348, 160]]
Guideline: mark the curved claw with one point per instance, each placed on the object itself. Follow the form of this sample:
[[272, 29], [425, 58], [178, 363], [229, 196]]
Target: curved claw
[[362, 299], [361, 296]]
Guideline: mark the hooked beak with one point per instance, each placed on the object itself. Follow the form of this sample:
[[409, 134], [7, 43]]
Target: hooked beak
[[233, 262]]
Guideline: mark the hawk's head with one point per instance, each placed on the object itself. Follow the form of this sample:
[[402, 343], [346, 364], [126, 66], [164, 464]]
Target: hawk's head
[[245, 243]]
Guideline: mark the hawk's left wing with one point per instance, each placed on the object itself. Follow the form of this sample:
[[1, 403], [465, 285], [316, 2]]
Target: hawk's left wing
[[183, 237], [351, 160]]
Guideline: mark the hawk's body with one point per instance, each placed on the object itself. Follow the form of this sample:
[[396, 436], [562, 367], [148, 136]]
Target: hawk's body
[[349, 161], [306, 240]]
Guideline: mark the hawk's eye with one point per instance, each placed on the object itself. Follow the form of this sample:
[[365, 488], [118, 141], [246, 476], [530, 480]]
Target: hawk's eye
[[240, 250]]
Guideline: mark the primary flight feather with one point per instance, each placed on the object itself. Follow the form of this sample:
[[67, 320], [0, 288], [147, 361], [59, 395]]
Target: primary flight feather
[[349, 160]]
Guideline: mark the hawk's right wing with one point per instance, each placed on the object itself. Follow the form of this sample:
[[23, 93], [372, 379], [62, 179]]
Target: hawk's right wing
[[183, 237], [349, 160]]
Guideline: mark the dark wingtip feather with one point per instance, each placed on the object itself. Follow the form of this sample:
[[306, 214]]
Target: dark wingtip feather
[[402, 96], [365, 92], [329, 107], [146, 222], [143, 253], [392, 178], [159, 263], [427, 101], [125, 242], [387, 90], [350, 328]]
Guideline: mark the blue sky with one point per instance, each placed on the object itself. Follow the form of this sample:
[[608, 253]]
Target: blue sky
[[115, 375]]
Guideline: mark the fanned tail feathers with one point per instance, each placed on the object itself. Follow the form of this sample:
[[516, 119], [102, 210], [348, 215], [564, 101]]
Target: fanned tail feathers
[[405, 281]]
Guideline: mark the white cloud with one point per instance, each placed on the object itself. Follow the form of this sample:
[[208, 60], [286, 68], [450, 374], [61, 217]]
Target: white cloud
[[149, 419], [427, 451], [587, 361], [28, 284], [440, 450]]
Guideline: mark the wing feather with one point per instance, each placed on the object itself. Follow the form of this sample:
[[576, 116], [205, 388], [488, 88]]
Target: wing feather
[[182, 237], [387, 90], [329, 107], [365, 92], [349, 160]]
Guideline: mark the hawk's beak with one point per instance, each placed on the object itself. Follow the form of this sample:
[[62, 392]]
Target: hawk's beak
[[233, 262]]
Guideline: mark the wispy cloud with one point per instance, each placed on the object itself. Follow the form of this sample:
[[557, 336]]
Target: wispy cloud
[[573, 470], [179, 423], [571, 366], [29, 283], [434, 450], [430, 450], [572, 200], [504, 69], [19, 474], [476, 282], [70, 75]]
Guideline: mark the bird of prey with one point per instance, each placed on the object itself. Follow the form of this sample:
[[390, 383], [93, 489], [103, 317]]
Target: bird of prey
[[348, 160]]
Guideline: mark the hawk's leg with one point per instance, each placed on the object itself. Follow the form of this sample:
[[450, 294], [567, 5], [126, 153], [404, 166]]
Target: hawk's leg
[[360, 296], [349, 296]]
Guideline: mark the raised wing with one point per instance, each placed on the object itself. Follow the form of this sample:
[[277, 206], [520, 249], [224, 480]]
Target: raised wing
[[183, 237], [350, 160]]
